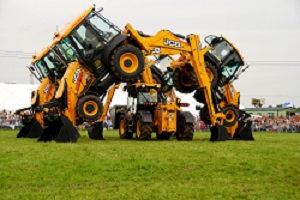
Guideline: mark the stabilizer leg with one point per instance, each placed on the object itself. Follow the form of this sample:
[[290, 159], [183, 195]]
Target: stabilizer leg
[[244, 132], [36, 129], [50, 131], [31, 129], [218, 133], [96, 132], [67, 132], [24, 130]]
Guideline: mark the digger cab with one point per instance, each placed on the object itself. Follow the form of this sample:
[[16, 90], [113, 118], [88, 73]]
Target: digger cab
[[146, 96], [227, 57], [86, 38]]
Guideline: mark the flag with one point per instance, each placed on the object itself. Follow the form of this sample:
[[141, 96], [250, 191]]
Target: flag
[[287, 104]]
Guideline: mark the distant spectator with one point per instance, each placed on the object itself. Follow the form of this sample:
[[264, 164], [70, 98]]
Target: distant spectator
[[202, 126]]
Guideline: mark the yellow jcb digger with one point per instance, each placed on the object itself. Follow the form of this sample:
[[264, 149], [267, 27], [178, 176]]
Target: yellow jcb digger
[[152, 106], [148, 110], [121, 56], [85, 83], [46, 71], [190, 70], [224, 64]]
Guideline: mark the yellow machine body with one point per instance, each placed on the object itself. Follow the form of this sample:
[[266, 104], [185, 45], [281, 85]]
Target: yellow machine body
[[74, 83], [165, 117], [44, 94], [166, 43]]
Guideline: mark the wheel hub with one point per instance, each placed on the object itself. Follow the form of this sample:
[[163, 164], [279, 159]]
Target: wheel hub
[[90, 108], [229, 116], [128, 63]]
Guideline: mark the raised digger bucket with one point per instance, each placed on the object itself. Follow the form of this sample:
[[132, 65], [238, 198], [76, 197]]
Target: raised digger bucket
[[244, 131], [31, 129], [218, 133], [60, 129], [96, 131]]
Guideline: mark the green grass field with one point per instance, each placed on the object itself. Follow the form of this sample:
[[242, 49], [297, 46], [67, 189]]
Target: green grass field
[[267, 168]]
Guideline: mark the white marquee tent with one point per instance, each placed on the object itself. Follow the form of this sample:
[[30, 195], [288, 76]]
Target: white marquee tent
[[15, 96]]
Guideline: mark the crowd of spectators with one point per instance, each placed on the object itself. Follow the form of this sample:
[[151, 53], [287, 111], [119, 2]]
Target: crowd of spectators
[[276, 124], [262, 123], [9, 120]]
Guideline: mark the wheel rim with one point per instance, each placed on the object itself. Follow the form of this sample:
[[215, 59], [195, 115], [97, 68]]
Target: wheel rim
[[90, 108], [129, 62], [138, 131], [122, 127], [230, 116], [185, 80]]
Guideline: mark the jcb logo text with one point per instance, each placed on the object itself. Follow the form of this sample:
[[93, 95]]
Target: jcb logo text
[[172, 43]]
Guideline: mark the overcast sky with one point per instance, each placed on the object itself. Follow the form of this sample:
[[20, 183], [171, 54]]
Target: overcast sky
[[266, 31]]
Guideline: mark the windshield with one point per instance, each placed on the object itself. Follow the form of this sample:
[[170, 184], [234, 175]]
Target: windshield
[[94, 33], [43, 68], [221, 50], [150, 96], [230, 59], [36, 72], [67, 52], [103, 26], [51, 65]]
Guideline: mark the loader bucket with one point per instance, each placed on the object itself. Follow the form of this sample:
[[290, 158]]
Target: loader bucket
[[30, 129], [244, 131], [96, 132], [218, 133], [60, 130]]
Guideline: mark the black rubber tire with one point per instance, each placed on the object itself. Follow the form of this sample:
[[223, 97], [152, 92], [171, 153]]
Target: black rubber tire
[[178, 76], [231, 114], [194, 79], [123, 131], [212, 70], [199, 96], [95, 103], [204, 115], [116, 68], [163, 136], [185, 131], [143, 130]]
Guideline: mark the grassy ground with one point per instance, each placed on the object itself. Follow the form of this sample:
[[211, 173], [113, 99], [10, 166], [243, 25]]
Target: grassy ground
[[267, 168]]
